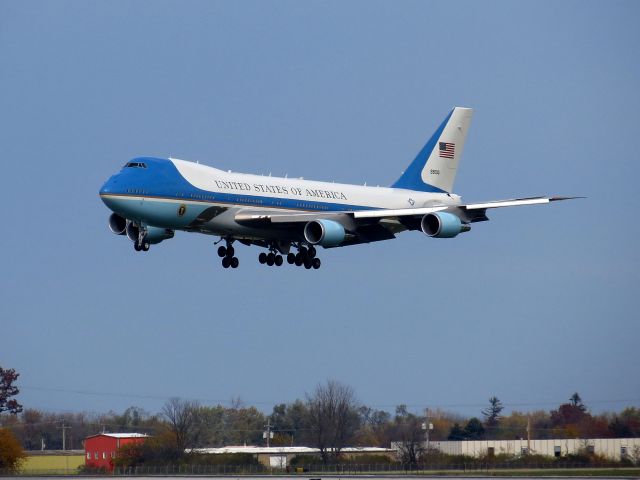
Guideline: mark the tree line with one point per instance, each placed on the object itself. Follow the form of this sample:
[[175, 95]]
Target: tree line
[[329, 418]]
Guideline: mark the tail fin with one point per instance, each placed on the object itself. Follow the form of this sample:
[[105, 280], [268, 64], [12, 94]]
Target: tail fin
[[435, 167]]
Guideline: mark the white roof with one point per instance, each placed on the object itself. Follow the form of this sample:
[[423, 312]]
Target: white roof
[[285, 450], [121, 435]]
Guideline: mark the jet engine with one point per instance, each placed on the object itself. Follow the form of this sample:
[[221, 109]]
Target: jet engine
[[156, 234], [442, 225], [117, 224], [151, 234], [132, 231], [327, 233]]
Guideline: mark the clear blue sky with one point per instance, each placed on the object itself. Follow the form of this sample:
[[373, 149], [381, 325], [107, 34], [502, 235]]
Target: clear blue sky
[[531, 306]]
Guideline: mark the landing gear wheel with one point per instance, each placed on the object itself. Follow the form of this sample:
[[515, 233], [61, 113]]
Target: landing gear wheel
[[299, 259], [222, 251], [226, 262], [303, 251], [316, 263], [278, 260], [235, 262], [312, 252], [145, 247], [262, 258], [230, 251], [271, 258], [291, 258], [137, 246], [307, 263]]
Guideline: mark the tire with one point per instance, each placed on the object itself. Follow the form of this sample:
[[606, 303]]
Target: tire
[[308, 263], [222, 251], [291, 258], [230, 251], [299, 260], [278, 260], [262, 258], [271, 258], [226, 262], [303, 251], [235, 262], [316, 263], [312, 252], [145, 247], [137, 246]]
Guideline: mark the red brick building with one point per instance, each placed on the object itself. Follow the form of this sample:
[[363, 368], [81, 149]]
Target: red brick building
[[101, 449]]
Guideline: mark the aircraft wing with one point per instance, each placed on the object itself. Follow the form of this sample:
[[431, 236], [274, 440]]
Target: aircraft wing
[[472, 210]]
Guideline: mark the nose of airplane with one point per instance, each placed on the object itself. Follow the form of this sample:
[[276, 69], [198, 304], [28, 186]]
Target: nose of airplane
[[109, 186]]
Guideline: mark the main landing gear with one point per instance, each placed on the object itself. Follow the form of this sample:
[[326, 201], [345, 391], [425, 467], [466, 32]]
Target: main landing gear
[[305, 256], [227, 254], [271, 258]]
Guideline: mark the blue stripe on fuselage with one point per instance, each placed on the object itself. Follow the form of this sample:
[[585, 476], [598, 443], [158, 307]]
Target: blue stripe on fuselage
[[162, 180]]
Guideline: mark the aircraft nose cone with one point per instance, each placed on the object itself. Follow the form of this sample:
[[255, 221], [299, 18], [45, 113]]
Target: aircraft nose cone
[[109, 186]]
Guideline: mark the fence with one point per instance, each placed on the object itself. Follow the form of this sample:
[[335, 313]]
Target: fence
[[397, 469]]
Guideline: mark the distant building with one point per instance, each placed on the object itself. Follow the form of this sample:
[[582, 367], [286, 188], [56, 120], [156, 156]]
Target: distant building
[[612, 448], [101, 449], [280, 457]]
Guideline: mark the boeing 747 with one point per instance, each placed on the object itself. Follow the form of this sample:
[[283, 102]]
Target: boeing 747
[[151, 198]]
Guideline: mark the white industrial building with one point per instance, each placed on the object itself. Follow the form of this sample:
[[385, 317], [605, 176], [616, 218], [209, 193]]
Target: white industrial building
[[612, 448], [280, 457]]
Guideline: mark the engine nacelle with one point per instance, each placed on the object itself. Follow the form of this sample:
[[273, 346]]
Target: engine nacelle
[[442, 225], [117, 224], [132, 231], [327, 233], [157, 234]]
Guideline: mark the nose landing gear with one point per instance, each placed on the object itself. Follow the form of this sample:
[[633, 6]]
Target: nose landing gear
[[140, 243]]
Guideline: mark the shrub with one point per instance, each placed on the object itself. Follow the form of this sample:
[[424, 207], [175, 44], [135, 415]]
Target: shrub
[[11, 452]]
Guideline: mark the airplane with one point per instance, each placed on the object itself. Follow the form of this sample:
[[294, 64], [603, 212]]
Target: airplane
[[151, 198]]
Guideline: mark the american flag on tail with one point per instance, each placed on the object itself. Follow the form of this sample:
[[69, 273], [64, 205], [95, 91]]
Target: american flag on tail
[[446, 149]]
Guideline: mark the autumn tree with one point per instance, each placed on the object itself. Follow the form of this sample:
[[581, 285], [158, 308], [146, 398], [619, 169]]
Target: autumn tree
[[374, 427], [291, 423], [11, 453], [181, 416], [8, 390], [333, 418], [492, 412]]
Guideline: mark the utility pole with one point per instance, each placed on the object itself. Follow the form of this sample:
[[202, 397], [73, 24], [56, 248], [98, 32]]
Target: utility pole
[[528, 433], [268, 434], [427, 427], [64, 434]]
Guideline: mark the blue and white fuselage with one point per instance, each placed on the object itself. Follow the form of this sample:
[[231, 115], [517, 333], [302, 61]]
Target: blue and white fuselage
[[151, 198]]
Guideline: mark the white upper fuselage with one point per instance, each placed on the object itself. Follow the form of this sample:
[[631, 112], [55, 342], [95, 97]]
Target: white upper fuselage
[[299, 194]]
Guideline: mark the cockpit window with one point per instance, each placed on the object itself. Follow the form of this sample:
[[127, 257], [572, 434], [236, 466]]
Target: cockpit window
[[135, 165]]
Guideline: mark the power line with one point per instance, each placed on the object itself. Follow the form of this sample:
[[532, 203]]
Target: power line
[[381, 406]]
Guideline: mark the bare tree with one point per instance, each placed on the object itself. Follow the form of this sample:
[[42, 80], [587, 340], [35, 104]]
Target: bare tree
[[182, 417], [333, 418], [408, 430]]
